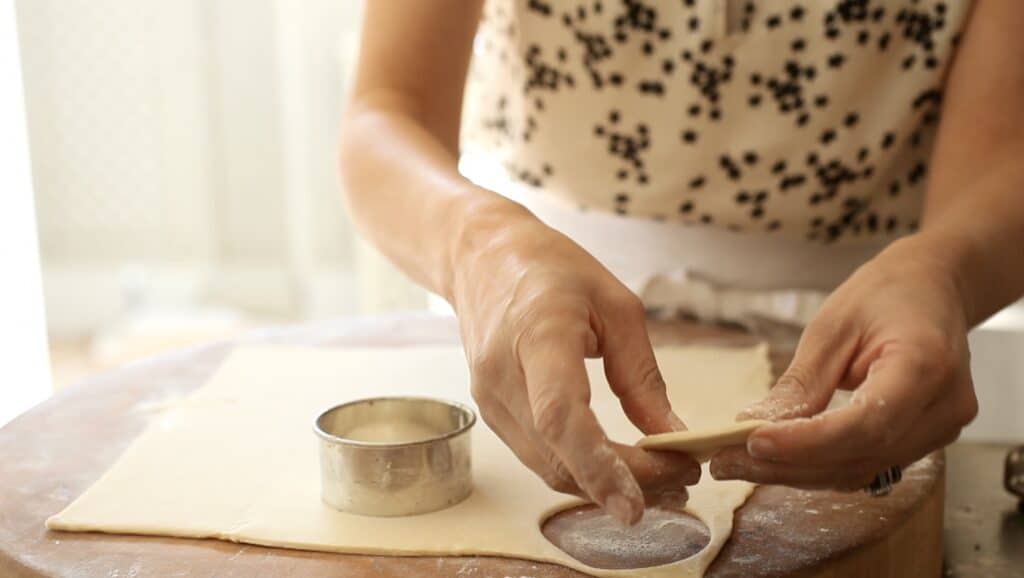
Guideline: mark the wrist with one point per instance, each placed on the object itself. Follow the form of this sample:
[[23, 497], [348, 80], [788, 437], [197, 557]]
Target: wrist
[[946, 259], [482, 222]]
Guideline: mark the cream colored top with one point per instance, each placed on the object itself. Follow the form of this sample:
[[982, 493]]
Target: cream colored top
[[799, 119]]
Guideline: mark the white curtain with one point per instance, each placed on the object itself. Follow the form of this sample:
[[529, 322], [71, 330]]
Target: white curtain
[[184, 153]]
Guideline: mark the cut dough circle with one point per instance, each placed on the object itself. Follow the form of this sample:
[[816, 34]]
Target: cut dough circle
[[702, 444]]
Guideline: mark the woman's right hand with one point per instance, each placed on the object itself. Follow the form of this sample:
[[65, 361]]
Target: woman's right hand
[[531, 306]]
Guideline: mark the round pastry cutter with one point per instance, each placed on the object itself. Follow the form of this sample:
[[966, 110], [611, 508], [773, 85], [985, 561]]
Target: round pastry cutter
[[395, 456]]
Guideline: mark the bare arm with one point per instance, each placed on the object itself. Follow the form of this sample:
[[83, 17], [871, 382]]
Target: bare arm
[[975, 202], [531, 303], [399, 142]]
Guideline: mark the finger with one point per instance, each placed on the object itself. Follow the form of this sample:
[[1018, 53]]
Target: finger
[[821, 358], [736, 464], [531, 450], [655, 470], [938, 426], [652, 469], [893, 396], [559, 396], [929, 436], [632, 370]]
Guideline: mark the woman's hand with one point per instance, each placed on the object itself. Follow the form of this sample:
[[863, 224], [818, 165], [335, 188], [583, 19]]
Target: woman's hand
[[896, 333], [531, 306]]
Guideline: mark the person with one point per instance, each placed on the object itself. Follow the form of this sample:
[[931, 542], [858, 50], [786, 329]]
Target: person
[[853, 166]]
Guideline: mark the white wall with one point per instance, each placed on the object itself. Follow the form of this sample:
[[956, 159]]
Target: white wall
[[22, 331]]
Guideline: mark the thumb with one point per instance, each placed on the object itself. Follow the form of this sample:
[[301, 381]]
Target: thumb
[[819, 363], [633, 372]]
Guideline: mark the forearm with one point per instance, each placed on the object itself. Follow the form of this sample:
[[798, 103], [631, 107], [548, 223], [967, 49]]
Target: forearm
[[979, 234], [974, 209], [404, 191]]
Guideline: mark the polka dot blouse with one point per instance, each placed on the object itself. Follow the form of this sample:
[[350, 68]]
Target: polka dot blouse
[[812, 119]]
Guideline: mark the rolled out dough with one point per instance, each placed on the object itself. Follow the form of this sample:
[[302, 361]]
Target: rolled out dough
[[237, 459], [702, 444]]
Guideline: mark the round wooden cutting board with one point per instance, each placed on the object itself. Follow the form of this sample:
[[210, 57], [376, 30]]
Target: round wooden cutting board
[[54, 452]]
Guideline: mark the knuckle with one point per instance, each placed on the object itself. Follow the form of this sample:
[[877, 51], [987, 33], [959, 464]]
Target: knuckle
[[539, 328], [561, 478], [968, 410], [948, 439], [797, 378], [937, 356], [557, 482], [549, 417], [488, 413], [650, 380], [628, 305], [482, 396], [484, 365]]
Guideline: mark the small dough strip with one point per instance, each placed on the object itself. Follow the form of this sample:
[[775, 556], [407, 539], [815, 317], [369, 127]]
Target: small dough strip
[[705, 443]]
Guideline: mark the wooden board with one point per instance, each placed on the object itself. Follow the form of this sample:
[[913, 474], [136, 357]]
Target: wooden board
[[51, 454]]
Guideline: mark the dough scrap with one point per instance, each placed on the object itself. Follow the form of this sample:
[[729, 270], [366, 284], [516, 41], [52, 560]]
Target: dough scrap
[[237, 459], [702, 444]]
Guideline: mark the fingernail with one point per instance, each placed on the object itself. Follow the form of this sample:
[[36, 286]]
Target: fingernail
[[760, 447], [676, 423], [620, 508]]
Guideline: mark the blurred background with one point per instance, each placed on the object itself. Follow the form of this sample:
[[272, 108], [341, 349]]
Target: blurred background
[[180, 156], [184, 173]]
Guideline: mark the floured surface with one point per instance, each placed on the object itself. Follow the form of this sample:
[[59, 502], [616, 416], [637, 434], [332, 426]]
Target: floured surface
[[702, 444], [237, 459]]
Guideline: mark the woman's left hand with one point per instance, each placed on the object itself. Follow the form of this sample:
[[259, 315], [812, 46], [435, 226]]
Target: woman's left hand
[[896, 333]]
